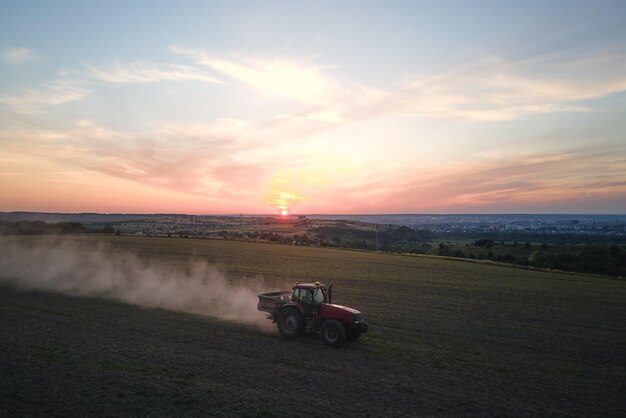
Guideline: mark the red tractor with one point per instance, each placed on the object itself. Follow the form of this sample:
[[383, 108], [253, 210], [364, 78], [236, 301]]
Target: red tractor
[[308, 308]]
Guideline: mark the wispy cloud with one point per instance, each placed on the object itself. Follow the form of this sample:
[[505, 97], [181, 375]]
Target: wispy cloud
[[502, 90], [576, 180], [203, 160], [316, 101], [34, 101], [69, 89], [18, 56], [523, 183], [224, 129], [139, 72], [276, 76], [485, 90]]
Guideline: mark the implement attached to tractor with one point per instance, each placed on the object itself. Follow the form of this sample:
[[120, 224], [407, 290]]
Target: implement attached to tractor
[[308, 308]]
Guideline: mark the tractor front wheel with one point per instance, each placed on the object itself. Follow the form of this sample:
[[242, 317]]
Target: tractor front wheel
[[290, 322], [333, 333]]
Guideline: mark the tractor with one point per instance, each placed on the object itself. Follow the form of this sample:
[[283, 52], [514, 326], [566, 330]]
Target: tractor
[[309, 308]]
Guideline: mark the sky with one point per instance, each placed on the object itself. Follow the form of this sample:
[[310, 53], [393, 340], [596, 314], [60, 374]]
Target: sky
[[331, 107]]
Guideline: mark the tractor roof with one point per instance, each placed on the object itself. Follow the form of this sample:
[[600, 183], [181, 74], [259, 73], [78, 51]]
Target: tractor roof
[[309, 285]]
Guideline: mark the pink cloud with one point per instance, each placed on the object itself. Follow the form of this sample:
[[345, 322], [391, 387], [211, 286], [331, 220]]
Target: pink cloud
[[564, 182]]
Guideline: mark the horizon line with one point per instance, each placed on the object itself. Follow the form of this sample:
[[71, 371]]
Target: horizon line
[[328, 214]]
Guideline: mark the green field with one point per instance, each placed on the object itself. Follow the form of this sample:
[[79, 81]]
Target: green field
[[447, 338]]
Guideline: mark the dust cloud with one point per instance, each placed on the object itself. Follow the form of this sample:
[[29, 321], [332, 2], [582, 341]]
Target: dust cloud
[[63, 266]]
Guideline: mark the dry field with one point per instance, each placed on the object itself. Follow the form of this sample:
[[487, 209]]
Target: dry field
[[447, 338]]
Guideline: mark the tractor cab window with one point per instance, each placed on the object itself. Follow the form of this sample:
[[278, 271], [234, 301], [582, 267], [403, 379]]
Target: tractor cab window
[[319, 296], [302, 295]]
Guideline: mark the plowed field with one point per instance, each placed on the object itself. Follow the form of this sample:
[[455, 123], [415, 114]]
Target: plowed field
[[447, 338]]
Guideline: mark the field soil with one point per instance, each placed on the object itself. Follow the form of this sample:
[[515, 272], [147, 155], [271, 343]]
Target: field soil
[[447, 338]]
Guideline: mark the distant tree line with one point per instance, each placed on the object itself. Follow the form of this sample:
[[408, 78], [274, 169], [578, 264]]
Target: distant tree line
[[40, 228], [609, 260], [49, 228], [389, 238], [520, 236]]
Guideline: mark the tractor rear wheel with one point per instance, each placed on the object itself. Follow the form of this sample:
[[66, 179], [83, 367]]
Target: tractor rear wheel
[[290, 322], [333, 333]]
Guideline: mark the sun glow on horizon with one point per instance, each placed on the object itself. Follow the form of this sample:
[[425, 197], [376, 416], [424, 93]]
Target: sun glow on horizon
[[285, 200]]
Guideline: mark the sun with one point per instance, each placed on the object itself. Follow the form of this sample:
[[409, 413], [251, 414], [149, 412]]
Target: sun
[[284, 212]]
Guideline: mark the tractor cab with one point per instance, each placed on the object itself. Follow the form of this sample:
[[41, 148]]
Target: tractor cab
[[310, 296]]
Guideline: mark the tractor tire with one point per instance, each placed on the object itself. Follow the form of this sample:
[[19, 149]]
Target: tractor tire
[[290, 322], [333, 333]]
